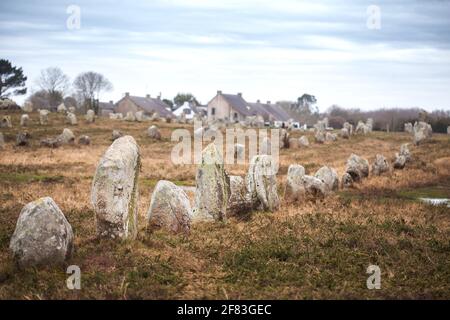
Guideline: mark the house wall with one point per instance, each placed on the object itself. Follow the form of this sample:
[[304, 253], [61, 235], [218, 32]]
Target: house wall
[[223, 109], [125, 105]]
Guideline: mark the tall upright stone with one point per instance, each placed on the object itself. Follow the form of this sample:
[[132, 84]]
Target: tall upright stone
[[24, 119], [43, 236], [212, 186], [380, 165], [2, 141], [43, 117], [357, 167], [115, 190], [90, 116], [239, 201], [295, 190], [329, 177], [262, 183], [71, 119]]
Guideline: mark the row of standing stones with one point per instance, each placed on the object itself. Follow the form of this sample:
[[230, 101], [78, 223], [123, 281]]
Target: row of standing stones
[[43, 235]]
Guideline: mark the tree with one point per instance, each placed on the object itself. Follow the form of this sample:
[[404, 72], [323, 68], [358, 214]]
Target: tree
[[12, 80], [169, 103], [306, 102], [89, 85], [181, 98]]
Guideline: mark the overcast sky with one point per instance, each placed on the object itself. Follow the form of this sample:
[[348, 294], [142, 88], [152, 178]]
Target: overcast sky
[[268, 50]]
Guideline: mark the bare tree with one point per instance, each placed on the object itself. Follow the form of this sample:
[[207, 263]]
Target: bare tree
[[89, 85], [53, 80]]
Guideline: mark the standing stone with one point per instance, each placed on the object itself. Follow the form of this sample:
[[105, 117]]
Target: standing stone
[[349, 128], [43, 236], [27, 107], [139, 116], [66, 136], [155, 117], [154, 133], [115, 190], [90, 116], [84, 140], [71, 119], [169, 208], [409, 127], [24, 119], [293, 143], [330, 136], [320, 136], [43, 117], [303, 141], [61, 108], [369, 125], [262, 183], [72, 109], [6, 122], [346, 180], [265, 146], [295, 190], [422, 132], [404, 151], [448, 130], [284, 139], [329, 177], [239, 201], [362, 128], [2, 141], [212, 186], [345, 134], [130, 116], [357, 167], [22, 139], [400, 161], [116, 134], [314, 187], [380, 165]]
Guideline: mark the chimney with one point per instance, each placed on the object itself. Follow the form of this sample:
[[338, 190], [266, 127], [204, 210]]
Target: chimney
[[159, 97], [111, 102], [148, 96], [219, 91], [240, 94], [258, 101], [127, 94]]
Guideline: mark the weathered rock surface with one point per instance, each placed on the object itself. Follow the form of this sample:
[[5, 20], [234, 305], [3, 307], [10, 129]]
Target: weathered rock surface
[[295, 190], [22, 139], [293, 143], [2, 141], [115, 190], [61, 108], [239, 201], [357, 167], [154, 133], [346, 180], [43, 117], [139, 115], [314, 187], [6, 122], [265, 147], [380, 165], [349, 128], [400, 161], [212, 186], [330, 137], [24, 120], [116, 134], [409, 127], [84, 140], [66, 136], [345, 134], [71, 119], [329, 177], [303, 141], [262, 183], [43, 236], [169, 208], [320, 136], [130, 117], [422, 132], [90, 116]]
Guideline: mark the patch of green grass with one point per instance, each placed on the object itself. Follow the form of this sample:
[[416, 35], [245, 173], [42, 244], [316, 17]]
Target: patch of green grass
[[30, 177], [425, 192]]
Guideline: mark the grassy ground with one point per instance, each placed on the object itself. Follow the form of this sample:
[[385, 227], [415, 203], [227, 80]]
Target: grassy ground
[[305, 250]]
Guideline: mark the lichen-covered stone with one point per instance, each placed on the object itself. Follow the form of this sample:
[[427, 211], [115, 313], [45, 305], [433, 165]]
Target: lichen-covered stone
[[90, 116], [139, 115], [315, 187], [329, 177], [239, 201], [330, 137], [357, 167], [262, 183], [43, 236], [115, 190], [380, 165], [84, 140], [212, 186], [130, 116], [303, 141], [400, 161], [409, 127], [71, 119], [320, 136], [2, 141], [346, 180], [154, 133], [116, 134], [349, 128], [24, 120], [22, 139], [43, 117], [61, 108], [345, 133], [169, 208], [6, 122], [66, 136], [295, 190]]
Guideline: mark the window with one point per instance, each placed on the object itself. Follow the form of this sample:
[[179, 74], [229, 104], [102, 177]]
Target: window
[[235, 115], [213, 111]]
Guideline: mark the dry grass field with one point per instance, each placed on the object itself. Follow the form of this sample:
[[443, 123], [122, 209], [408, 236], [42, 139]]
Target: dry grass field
[[310, 250]]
